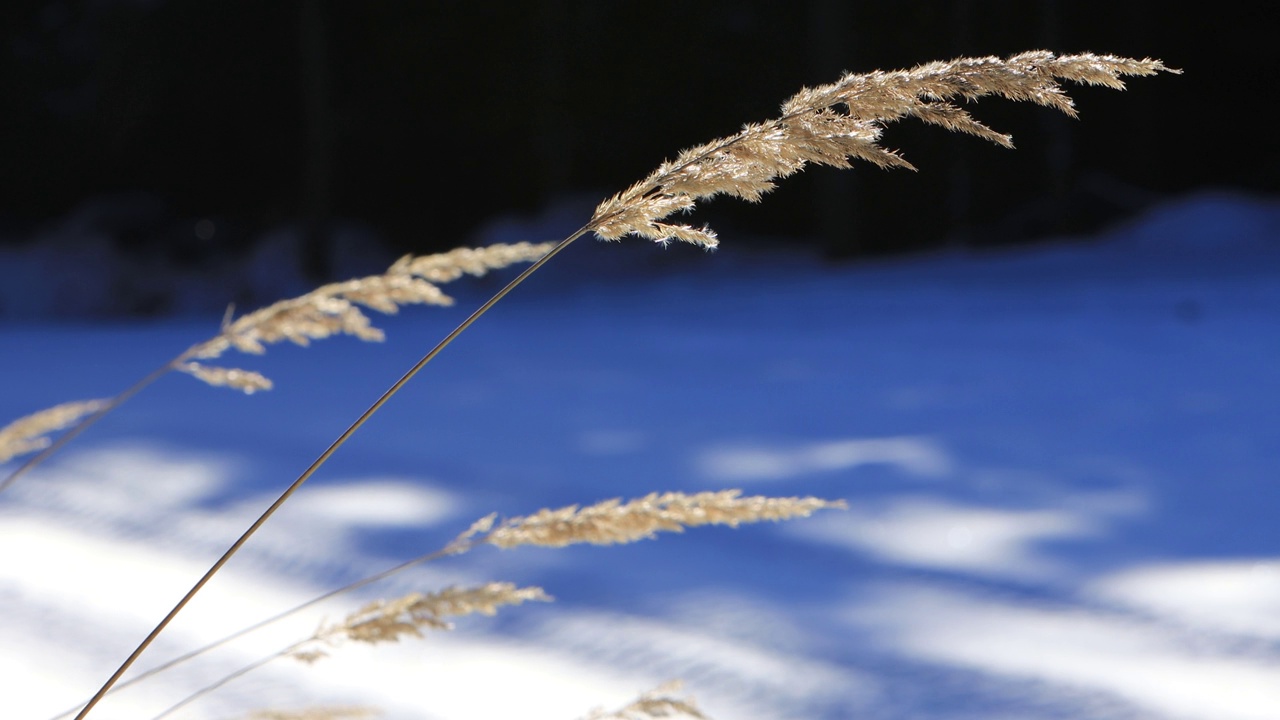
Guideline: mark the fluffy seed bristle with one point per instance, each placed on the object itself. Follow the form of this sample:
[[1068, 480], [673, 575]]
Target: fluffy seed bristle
[[613, 522], [660, 702], [390, 620], [834, 124], [246, 381], [335, 309], [30, 433]]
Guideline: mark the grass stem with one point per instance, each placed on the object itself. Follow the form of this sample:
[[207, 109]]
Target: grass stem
[[320, 461]]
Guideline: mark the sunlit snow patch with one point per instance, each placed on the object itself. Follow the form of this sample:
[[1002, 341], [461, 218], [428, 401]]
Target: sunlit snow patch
[[375, 503], [932, 533], [744, 678], [1240, 596], [913, 455], [453, 676], [86, 599], [126, 481], [1163, 672]]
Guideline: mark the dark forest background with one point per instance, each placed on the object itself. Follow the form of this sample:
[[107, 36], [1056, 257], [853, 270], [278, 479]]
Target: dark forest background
[[185, 131]]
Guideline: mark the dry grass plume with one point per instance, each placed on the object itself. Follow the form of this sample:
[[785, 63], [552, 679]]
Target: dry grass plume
[[31, 433], [333, 309], [833, 124], [614, 522], [841, 122], [660, 702], [384, 621]]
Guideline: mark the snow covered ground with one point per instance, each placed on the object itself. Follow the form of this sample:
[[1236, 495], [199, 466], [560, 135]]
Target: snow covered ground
[[1061, 464]]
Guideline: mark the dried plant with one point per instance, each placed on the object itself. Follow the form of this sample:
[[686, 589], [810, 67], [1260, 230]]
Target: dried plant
[[614, 522], [31, 433], [329, 310], [829, 125], [621, 522], [389, 620], [334, 309], [384, 621], [834, 124], [660, 702]]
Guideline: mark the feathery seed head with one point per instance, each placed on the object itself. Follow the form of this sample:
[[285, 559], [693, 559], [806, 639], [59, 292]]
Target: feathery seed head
[[660, 702], [334, 309], [389, 620], [614, 522], [30, 433], [247, 381], [834, 124]]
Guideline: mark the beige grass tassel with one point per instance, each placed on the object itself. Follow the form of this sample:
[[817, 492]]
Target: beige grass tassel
[[841, 122], [660, 702], [329, 310], [390, 620], [614, 522], [31, 433], [334, 309]]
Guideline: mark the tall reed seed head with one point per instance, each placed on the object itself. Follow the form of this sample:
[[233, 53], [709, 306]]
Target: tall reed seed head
[[841, 122], [384, 621], [334, 309], [31, 432], [831, 124], [660, 702], [614, 522]]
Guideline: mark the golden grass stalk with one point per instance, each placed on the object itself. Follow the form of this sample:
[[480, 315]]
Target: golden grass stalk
[[389, 620], [613, 522], [837, 123], [334, 309], [31, 433], [829, 125], [246, 381], [660, 702], [329, 310], [461, 544], [478, 534]]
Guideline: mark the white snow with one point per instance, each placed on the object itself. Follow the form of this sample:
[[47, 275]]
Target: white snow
[[921, 532], [1061, 465]]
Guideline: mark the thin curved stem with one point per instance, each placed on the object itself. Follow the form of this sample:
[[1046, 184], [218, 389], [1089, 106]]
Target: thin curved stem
[[89, 420], [115, 402], [454, 548], [321, 460], [228, 678]]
